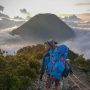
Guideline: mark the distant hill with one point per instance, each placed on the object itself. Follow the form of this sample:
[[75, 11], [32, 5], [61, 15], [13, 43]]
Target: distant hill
[[43, 27]]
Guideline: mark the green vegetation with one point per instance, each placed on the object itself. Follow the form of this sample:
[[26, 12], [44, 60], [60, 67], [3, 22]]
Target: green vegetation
[[82, 63], [34, 52], [72, 56], [17, 72], [79, 61]]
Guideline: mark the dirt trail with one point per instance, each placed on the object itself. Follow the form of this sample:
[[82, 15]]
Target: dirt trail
[[77, 81]]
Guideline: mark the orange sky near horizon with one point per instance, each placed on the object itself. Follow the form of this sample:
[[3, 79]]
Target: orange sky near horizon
[[62, 8], [83, 16]]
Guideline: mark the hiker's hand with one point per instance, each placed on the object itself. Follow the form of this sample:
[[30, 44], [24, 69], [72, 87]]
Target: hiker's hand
[[40, 77], [71, 72]]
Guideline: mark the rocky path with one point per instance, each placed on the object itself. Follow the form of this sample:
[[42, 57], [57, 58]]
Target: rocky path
[[76, 84], [77, 81]]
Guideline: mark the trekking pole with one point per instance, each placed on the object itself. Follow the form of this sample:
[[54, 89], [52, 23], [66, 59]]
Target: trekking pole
[[81, 82], [75, 83]]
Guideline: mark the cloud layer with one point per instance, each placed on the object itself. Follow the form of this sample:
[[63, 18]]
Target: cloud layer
[[2, 15], [81, 44], [82, 4], [76, 22]]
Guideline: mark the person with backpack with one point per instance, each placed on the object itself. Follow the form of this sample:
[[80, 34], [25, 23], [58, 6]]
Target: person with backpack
[[49, 48], [49, 55], [60, 68], [56, 66]]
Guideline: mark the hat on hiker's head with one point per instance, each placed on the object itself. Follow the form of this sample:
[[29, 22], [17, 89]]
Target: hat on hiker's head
[[55, 42], [51, 43]]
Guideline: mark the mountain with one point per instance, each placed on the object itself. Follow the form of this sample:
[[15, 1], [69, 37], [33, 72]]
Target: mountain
[[43, 27]]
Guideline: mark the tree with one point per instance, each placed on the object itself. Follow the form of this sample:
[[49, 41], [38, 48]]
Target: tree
[[82, 63]]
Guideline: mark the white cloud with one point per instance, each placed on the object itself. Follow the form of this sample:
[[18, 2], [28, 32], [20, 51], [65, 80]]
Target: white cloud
[[72, 18], [82, 4], [11, 43], [75, 22], [8, 23], [81, 44], [2, 15]]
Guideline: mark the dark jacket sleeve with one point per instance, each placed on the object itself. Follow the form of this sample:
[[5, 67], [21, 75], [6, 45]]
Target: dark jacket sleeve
[[71, 71], [42, 71], [43, 67]]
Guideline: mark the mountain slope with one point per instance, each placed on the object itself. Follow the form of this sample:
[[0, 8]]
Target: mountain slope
[[43, 27]]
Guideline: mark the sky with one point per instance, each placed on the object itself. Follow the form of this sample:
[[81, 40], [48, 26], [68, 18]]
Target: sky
[[33, 7]]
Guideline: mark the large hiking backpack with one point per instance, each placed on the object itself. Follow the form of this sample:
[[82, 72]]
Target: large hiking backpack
[[56, 68], [62, 51], [53, 59]]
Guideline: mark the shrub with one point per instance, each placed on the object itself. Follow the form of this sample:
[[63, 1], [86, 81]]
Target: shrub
[[17, 72]]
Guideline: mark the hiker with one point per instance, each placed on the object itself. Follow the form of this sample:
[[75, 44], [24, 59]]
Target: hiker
[[56, 66], [49, 48], [59, 67]]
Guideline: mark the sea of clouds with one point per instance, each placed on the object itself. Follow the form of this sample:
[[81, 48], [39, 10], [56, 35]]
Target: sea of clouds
[[81, 43], [11, 43]]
